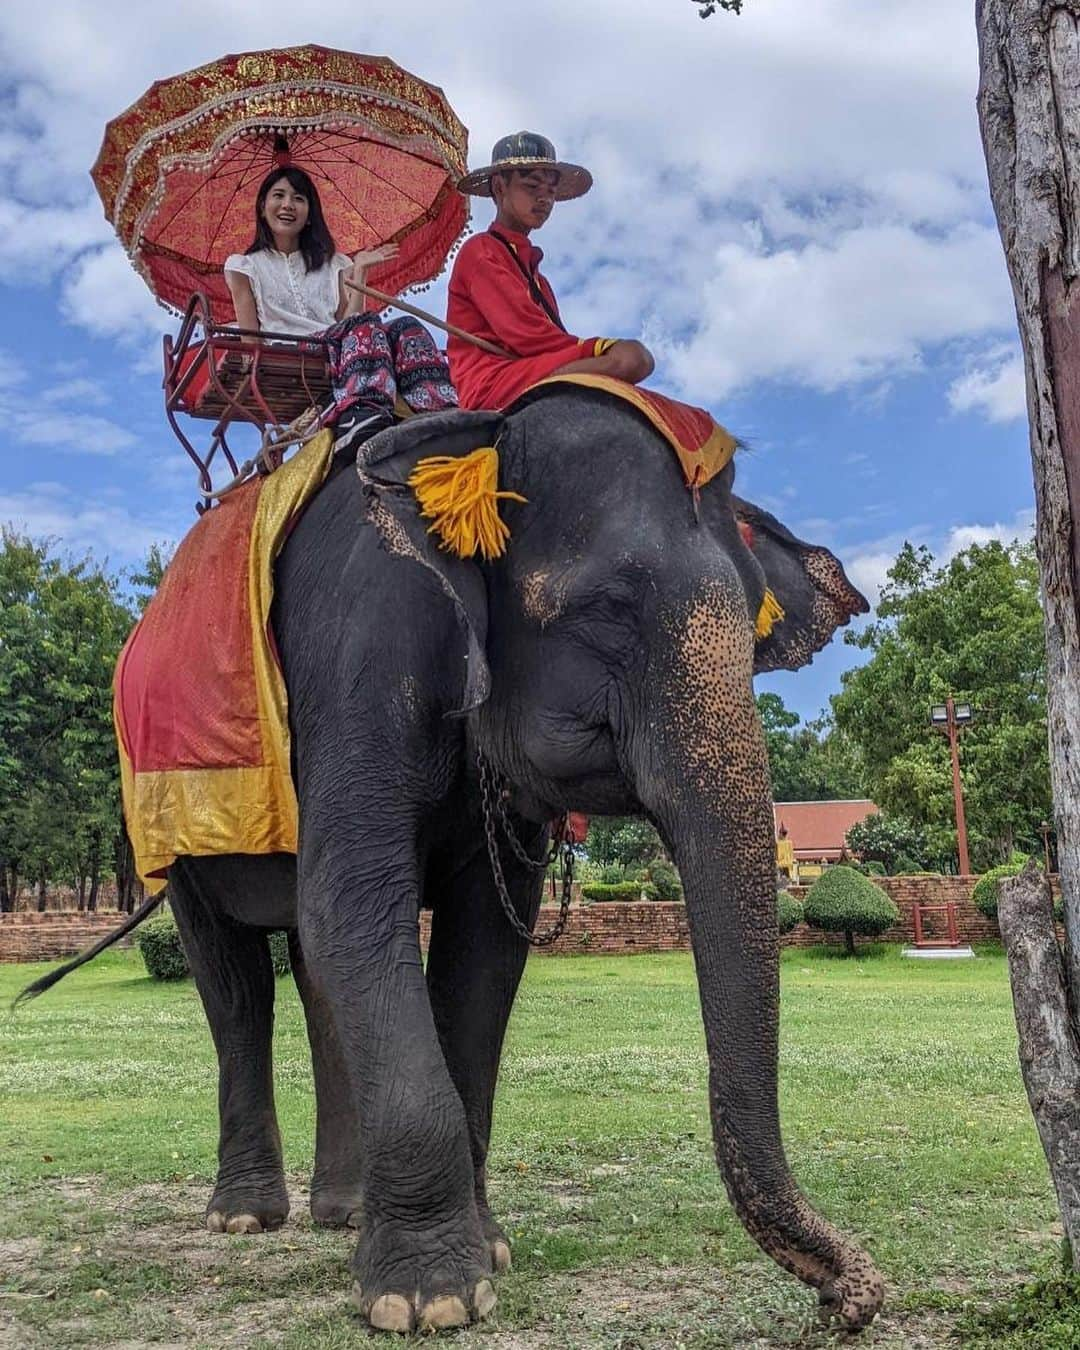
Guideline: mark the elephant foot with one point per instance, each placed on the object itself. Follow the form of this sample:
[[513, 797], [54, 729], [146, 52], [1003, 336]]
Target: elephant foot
[[333, 1207], [248, 1208], [423, 1281]]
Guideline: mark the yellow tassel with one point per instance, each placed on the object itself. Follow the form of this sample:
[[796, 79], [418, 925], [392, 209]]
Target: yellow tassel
[[770, 613], [460, 496]]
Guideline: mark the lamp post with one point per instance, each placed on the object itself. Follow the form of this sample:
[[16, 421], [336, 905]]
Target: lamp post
[[947, 717], [1046, 829]]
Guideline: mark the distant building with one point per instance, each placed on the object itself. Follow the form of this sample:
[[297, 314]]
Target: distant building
[[810, 835]]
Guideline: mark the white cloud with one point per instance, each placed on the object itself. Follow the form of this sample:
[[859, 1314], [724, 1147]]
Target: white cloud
[[38, 419], [961, 537], [52, 511], [995, 388], [833, 316], [108, 298]]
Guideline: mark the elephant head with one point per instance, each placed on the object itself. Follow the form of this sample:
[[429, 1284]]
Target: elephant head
[[606, 666]]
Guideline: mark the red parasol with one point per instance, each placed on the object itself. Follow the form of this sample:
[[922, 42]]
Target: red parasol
[[178, 171]]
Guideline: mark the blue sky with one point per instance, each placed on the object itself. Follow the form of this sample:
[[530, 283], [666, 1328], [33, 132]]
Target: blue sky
[[790, 207]]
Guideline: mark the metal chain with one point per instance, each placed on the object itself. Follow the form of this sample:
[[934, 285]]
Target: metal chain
[[495, 809]]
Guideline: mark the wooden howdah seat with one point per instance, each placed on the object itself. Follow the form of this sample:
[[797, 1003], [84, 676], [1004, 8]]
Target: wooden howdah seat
[[224, 375]]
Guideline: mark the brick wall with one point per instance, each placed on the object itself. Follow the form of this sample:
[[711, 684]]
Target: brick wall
[[906, 892], [604, 929], [47, 937]]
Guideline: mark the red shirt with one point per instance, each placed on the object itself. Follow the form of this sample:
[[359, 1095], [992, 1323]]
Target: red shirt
[[490, 298]]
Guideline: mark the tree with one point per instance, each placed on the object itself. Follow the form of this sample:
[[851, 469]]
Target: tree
[[706, 8], [809, 763], [61, 627], [1029, 111], [888, 840], [627, 843], [843, 901], [971, 628]]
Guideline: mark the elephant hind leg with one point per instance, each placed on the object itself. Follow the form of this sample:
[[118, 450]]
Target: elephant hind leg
[[336, 1185], [235, 979]]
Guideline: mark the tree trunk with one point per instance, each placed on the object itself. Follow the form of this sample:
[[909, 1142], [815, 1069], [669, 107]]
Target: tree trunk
[[95, 872], [1029, 113], [7, 900], [849, 942], [42, 893], [1049, 1048]]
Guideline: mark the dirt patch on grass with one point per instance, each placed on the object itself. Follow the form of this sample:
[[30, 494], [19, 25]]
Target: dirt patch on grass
[[137, 1268]]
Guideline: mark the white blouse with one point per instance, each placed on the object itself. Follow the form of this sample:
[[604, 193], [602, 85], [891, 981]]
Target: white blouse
[[288, 298]]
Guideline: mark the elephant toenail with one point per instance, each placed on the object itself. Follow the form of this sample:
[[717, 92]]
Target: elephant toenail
[[215, 1221], [500, 1257], [243, 1223], [447, 1311], [484, 1297], [391, 1312]]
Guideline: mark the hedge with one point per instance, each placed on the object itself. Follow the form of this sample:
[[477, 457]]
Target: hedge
[[161, 949], [788, 911], [163, 953], [844, 901], [622, 890]]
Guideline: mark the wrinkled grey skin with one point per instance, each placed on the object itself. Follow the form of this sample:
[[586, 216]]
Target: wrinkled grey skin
[[603, 665]]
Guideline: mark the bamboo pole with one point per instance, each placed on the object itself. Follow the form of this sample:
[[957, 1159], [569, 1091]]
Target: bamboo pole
[[419, 313]]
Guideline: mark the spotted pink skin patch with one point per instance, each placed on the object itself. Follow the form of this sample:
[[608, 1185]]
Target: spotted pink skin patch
[[747, 533]]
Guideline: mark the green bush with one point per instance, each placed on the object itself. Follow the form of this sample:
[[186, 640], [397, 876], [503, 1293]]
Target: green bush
[[844, 901], [665, 877], [873, 868], [904, 866], [789, 911], [985, 895], [162, 951], [279, 952], [622, 890]]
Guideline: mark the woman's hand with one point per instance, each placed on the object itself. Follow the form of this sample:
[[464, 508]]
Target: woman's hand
[[369, 257], [352, 302]]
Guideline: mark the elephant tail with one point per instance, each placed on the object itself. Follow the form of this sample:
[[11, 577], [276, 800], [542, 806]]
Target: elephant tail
[[54, 976]]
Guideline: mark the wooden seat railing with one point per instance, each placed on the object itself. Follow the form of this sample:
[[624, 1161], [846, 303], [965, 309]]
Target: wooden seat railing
[[222, 374]]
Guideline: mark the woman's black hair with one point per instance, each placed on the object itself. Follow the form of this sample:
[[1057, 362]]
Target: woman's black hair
[[316, 241]]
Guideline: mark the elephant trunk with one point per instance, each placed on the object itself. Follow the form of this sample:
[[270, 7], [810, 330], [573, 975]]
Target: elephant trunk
[[704, 777]]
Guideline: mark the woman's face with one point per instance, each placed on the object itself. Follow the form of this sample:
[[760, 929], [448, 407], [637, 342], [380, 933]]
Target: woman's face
[[285, 209]]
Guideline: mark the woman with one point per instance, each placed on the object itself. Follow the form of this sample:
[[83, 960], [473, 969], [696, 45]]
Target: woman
[[292, 281]]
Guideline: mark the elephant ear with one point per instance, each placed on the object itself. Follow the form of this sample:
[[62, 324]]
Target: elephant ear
[[384, 464], [809, 583]]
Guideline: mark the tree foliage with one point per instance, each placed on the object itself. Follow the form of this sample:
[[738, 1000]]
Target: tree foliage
[[889, 840], [62, 624], [707, 8], [972, 628], [842, 900], [808, 763]]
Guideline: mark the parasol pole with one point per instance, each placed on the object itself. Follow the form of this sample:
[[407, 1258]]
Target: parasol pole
[[419, 313]]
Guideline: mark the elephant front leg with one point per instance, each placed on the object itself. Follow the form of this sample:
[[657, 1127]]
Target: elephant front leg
[[474, 967], [422, 1260], [235, 978]]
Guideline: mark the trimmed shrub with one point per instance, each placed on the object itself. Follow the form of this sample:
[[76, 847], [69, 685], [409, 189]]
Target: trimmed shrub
[[844, 901], [622, 890], [279, 952], [160, 947], [985, 894], [665, 878], [873, 868], [789, 911]]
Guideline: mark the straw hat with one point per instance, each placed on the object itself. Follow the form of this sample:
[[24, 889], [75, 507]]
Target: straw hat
[[528, 150]]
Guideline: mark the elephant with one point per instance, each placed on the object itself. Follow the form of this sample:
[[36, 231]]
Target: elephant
[[603, 664]]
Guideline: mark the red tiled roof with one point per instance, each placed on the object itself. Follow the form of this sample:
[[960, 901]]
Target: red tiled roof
[[817, 829]]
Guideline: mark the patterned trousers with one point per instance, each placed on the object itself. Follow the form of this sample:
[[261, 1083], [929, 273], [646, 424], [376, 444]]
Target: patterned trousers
[[371, 363]]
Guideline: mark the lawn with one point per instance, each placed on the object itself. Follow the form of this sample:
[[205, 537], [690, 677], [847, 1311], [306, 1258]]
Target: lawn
[[904, 1116]]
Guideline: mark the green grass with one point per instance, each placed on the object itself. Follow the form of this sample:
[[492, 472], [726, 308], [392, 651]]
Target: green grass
[[904, 1118]]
